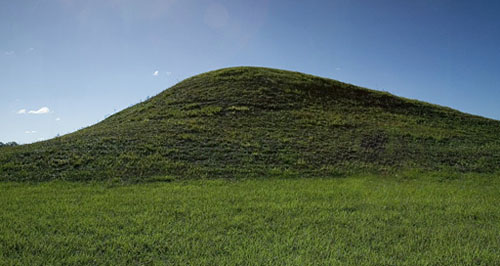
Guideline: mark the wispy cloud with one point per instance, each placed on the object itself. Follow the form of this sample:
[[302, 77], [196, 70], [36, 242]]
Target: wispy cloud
[[169, 73], [58, 119], [156, 73], [29, 50], [41, 111], [30, 132], [9, 53]]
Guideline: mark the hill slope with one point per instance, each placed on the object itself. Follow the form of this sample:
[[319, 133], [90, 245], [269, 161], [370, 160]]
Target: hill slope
[[259, 122]]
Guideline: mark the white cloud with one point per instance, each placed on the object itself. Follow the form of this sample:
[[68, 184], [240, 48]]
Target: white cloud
[[30, 132], [58, 119], [31, 49], [43, 110], [156, 73], [9, 53], [169, 73]]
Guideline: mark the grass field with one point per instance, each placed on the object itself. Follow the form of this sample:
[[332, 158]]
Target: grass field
[[396, 220]]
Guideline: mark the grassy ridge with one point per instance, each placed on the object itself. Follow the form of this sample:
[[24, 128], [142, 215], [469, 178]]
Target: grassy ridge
[[354, 221], [258, 122]]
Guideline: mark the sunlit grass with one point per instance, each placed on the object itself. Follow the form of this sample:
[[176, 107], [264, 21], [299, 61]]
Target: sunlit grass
[[357, 221]]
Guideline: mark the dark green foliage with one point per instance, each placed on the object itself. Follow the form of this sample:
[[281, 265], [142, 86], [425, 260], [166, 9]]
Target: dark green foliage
[[259, 122], [8, 144]]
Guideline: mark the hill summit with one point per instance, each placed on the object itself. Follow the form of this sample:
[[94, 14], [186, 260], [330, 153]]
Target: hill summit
[[260, 122]]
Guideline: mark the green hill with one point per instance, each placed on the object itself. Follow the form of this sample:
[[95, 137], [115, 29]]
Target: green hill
[[259, 122]]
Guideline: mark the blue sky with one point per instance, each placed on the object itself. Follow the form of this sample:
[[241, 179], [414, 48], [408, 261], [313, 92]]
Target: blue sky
[[67, 64]]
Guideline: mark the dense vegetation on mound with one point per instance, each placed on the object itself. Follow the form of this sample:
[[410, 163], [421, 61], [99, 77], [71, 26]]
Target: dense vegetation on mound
[[259, 122], [8, 144]]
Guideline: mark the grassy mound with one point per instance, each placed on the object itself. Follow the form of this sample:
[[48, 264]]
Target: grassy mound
[[259, 122]]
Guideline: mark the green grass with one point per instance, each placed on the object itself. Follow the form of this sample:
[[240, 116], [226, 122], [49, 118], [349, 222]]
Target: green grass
[[407, 219], [259, 122], [239, 153]]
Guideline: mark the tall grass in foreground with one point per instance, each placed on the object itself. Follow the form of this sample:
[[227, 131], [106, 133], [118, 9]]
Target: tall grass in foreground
[[362, 221]]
